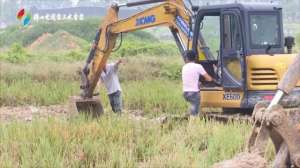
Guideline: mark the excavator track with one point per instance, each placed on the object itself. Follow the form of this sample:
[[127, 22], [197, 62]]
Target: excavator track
[[293, 113], [290, 103], [229, 117]]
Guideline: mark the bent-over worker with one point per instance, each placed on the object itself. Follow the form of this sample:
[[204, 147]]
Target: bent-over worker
[[191, 72], [109, 77]]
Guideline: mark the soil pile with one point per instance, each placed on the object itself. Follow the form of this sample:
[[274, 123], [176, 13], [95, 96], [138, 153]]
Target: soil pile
[[39, 40], [59, 41], [243, 160]]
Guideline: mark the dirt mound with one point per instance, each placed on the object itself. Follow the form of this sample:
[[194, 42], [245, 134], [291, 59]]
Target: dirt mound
[[39, 41], [59, 41], [243, 160]]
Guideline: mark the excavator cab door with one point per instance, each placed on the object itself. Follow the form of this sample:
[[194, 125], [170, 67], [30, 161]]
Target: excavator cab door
[[231, 51], [232, 57], [230, 60]]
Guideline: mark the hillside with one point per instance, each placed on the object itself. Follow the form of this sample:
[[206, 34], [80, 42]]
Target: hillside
[[83, 29], [67, 41]]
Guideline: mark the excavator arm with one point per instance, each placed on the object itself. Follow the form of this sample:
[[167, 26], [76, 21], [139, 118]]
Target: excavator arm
[[169, 13]]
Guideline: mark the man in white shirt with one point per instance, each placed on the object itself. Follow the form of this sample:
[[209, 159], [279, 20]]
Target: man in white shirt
[[109, 77], [191, 72]]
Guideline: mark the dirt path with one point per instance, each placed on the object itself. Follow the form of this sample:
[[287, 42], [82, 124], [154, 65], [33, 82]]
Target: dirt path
[[28, 113]]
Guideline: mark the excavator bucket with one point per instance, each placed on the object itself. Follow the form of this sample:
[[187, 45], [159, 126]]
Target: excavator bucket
[[88, 106]]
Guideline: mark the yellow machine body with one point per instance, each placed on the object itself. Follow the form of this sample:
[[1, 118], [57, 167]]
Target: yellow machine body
[[263, 74]]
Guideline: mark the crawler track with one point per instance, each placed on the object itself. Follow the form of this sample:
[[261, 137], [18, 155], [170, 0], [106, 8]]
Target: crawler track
[[293, 113], [229, 117], [215, 116]]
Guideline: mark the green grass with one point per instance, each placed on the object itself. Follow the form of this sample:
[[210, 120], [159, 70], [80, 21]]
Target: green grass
[[59, 51], [118, 142], [146, 47], [154, 97], [151, 87], [26, 91], [17, 54], [145, 85], [37, 83]]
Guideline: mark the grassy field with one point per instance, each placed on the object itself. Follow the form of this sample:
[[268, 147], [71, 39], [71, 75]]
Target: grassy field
[[47, 83], [150, 79], [112, 141]]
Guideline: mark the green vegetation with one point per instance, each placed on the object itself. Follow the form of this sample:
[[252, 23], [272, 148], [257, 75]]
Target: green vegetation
[[16, 54], [44, 83], [150, 87], [69, 41], [83, 29], [145, 47], [118, 142]]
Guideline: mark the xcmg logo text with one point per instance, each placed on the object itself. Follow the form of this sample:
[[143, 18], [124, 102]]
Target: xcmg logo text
[[145, 20]]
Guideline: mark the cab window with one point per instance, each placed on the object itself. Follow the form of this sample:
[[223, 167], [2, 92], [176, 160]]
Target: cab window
[[211, 33], [265, 30], [232, 33], [232, 46]]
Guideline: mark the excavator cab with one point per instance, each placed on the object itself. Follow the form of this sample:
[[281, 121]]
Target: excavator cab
[[243, 40]]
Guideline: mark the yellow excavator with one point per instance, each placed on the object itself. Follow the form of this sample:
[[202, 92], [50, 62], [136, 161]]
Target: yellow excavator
[[250, 63], [251, 57]]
